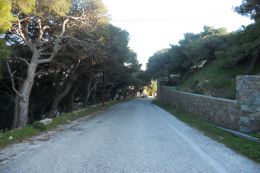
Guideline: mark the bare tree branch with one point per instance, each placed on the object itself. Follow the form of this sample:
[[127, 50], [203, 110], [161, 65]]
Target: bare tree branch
[[12, 79], [79, 41], [63, 27], [56, 47], [43, 49], [80, 18], [45, 53], [24, 37], [22, 59], [47, 60], [39, 72], [41, 31]]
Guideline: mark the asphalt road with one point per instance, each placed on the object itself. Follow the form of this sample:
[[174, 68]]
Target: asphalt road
[[134, 136]]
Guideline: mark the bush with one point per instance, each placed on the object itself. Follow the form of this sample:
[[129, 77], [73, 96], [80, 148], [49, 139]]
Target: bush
[[38, 125]]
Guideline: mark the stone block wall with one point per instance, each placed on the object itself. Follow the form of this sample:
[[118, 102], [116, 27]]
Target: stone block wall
[[241, 114], [222, 112], [248, 98]]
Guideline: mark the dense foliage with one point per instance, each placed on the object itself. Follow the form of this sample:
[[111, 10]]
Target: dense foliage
[[249, 8], [60, 55], [208, 62]]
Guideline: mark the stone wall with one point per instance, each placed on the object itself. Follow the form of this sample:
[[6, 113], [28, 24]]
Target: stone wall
[[248, 98], [241, 114], [222, 112]]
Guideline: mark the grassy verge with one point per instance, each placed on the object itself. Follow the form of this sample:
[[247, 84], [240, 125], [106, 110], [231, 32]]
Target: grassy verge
[[256, 135], [18, 135], [214, 80], [247, 148]]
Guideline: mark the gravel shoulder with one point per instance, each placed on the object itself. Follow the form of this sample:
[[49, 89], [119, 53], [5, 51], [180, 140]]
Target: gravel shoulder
[[134, 136]]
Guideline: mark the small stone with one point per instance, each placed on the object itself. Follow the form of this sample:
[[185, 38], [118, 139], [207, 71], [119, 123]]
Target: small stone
[[10, 138], [245, 108], [244, 120], [46, 121]]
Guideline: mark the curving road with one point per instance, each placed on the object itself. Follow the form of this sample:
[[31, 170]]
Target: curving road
[[134, 136]]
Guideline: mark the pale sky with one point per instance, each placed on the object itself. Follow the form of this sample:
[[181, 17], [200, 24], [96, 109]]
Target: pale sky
[[155, 24]]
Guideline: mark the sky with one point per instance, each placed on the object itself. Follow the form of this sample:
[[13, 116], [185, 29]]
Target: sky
[[156, 24]]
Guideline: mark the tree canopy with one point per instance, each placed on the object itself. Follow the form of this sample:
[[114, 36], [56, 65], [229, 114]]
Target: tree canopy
[[58, 55], [250, 8], [208, 62]]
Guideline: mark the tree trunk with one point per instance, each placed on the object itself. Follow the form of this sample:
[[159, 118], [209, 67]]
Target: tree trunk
[[72, 97], [90, 90], [66, 90], [16, 111], [58, 99], [88, 93], [87, 98], [25, 91], [94, 95]]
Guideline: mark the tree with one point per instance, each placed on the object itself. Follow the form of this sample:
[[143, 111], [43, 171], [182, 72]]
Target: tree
[[6, 15], [151, 89], [4, 53], [97, 18], [57, 53], [243, 49], [42, 27], [158, 63], [250, 8], [179, 63], [5, 23], [211, 31], [121, 66], [183, 59]]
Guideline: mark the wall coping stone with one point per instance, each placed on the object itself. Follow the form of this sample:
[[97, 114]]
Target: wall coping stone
[[205, 96]]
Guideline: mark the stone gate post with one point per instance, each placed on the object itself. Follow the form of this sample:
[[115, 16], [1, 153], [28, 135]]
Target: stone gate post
[[248, 99]]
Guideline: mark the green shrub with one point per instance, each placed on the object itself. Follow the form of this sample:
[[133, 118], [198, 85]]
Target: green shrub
[[38, 125]]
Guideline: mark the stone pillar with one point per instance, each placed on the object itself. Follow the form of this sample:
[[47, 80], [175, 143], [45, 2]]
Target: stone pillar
[[248, 99]]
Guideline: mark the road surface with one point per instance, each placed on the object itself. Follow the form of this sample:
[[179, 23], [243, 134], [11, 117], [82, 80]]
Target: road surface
[[134, 136]]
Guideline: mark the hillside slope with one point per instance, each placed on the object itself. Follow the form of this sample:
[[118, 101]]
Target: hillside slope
[[208, 62]]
